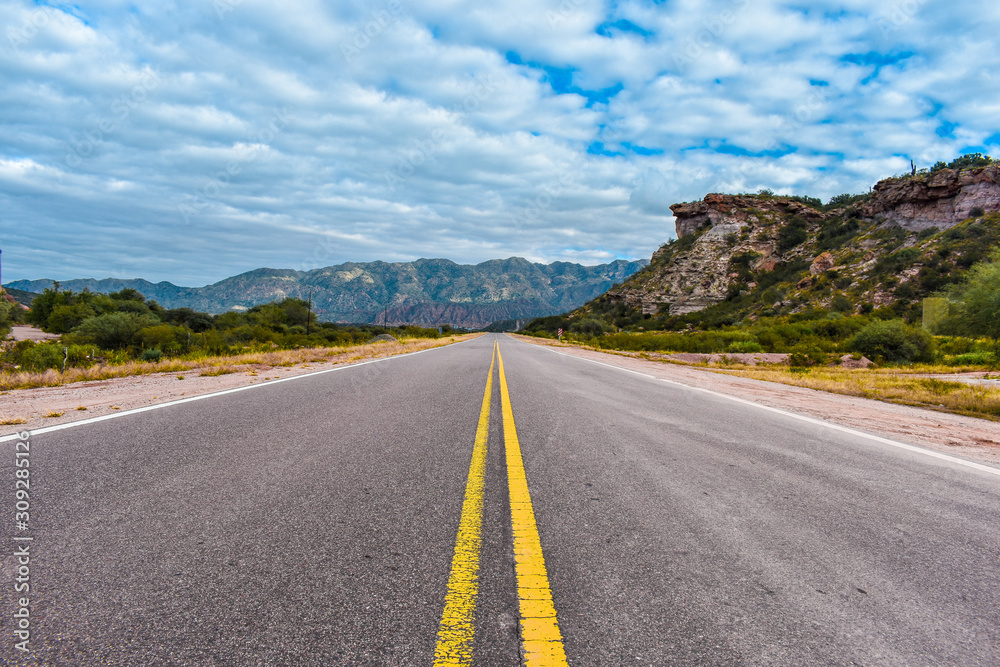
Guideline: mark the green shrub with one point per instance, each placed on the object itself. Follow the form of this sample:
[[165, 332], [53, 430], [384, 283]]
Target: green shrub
[[113, 331], [981, 358], [43, 356], [975, 302], [749, 346], [893, 341], [807, 355], [842, 304], [154, 354], [956, 345], [589, 327], [792, 234], [896, 262], [6, 316]]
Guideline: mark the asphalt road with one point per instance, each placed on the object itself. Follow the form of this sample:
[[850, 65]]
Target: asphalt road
[[313, 522]]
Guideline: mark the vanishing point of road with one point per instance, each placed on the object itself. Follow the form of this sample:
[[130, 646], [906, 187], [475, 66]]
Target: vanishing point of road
[[495, 503]]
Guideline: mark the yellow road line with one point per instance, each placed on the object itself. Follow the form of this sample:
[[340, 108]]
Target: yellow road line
[[458, 629], [540, 634]]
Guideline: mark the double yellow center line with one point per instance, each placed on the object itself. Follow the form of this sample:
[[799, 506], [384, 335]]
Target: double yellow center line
[[540, 637]]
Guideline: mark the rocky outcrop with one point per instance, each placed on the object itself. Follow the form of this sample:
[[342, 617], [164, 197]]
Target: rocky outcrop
[[724, 226], [732, 212], [940, 199], [823, 262], [726, 243]]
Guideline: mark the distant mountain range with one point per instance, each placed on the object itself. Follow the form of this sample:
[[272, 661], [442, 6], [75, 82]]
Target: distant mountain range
[[427, 292]]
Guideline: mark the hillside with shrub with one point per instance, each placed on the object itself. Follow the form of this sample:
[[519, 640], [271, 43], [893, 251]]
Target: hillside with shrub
[[898, 280], [426, 292]]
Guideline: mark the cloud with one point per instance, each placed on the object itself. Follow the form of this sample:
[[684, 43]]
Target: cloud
[[192, 142]]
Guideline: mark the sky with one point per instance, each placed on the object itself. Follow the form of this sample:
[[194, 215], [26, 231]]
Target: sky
[[189, 142]]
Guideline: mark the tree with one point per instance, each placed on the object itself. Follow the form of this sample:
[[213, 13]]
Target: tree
[[113, 331], [128, 294], [974, 304], [6, 316]]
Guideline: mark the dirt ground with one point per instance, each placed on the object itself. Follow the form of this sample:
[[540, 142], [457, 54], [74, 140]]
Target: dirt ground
[[24, 332], [967, 437], [28, 409]]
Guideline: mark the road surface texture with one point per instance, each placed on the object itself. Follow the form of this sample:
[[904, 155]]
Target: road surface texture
[[314, 522]]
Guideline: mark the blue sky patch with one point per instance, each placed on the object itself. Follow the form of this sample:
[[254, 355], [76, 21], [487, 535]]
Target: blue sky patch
[[560, 79], [611, 28]]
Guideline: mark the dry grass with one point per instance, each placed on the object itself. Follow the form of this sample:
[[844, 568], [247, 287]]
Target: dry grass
[[221, 365], [908, 385], [894, 385], [215, 372]]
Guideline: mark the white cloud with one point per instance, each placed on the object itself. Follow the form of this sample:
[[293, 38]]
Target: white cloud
[[405, 132]]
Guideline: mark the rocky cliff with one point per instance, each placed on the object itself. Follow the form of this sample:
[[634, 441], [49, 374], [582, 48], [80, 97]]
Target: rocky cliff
[[728, 244], [729, 213], [939, 199], [695, 271]]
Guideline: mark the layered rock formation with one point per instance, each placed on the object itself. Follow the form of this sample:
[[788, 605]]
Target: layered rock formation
[[730, 212], [724, 226], [940, 199], [714, 231]]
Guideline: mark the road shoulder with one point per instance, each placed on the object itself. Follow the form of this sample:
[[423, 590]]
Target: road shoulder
[[966, 437], [30, 409]]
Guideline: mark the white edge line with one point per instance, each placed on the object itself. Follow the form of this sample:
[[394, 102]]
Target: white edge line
[[810, 420], [201, 397]]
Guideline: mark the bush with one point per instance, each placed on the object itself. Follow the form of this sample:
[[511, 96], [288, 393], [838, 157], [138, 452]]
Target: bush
[[113, 331], [972, 359], [975, 302], [164, 337], [893, 341], [41, 357], [6, 316], [896, 262], [807, 355], [842, 304], [152, 355], [588, 327], [792, 234]]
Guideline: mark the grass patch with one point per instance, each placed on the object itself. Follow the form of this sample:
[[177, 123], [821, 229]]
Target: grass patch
[[888, 384], [13, 422], [209, 365], [53, 415]]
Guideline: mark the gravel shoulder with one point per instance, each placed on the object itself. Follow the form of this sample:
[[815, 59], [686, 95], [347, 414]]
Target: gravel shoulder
[[35, 408], [958, 435]]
